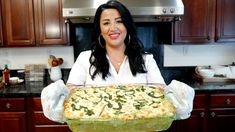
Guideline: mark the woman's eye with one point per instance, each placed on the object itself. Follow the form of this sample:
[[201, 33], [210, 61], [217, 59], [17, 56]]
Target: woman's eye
[[105, 23], [119, 21]]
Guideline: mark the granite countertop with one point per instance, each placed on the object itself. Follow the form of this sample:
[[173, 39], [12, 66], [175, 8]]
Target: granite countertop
[[33, 89], [214, 87]]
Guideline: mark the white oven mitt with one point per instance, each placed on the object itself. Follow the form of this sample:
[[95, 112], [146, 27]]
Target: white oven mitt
[[52, 98], [181, 95]]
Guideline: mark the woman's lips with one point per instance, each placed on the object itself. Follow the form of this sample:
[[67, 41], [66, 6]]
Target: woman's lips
[[114, 35]]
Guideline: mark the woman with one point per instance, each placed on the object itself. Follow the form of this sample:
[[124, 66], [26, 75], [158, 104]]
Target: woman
[[117, 55]]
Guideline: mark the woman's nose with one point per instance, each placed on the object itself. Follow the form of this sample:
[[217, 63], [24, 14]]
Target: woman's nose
[[113, 26]]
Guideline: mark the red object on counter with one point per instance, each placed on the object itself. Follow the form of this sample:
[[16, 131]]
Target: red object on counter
[[6, 74]]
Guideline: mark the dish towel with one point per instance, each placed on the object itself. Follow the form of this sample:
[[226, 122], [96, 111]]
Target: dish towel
[[181, 95], [52, 98]]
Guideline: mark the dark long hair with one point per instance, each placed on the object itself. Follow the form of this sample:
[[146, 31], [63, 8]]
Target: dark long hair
[[134, 47]]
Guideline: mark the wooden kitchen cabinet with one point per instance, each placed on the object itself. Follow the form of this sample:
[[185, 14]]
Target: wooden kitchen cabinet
[[222, 113], [225, 21], [198, 119], [211, 113], [12, 115], [222, 119], [196, 123], [32, 23], [18, 23], [41, 123], [206, 21], [1, 37], [51, 26], [197, 22]]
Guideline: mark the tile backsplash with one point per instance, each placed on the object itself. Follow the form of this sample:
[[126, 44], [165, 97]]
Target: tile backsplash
[[16, 58], [172, 55], [194, 55], [175, 61]]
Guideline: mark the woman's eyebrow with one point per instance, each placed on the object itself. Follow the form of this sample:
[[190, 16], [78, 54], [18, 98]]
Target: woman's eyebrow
[[105, 20], [118, 18], [109, 19]]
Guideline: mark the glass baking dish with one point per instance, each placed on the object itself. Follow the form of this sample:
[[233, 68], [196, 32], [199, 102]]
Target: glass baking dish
[[115, 125], [118, 125]]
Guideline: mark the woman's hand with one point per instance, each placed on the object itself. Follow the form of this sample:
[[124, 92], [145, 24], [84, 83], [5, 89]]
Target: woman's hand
[[52, 98], [181, 95]]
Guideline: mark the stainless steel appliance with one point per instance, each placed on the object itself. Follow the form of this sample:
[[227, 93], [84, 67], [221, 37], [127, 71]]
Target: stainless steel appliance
[[83, 11]]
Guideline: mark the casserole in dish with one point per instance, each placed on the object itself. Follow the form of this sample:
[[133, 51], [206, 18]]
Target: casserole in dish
[[118, 108]]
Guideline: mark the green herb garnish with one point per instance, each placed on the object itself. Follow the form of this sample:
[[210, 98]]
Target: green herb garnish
[[74, 107], [119, 106], [151, 94]]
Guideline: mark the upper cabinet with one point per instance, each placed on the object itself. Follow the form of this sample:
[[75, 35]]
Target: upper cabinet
[[32, 23], [1, 37], [225, 21], [197, 22], [18, 23], [206, 21], [51, 28]]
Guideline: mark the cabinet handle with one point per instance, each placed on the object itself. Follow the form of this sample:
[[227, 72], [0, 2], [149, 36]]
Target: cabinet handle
[[66, 21], [213, 114], [202, 114], [216, 38], [8, 105], [228, 101], [208, 37]]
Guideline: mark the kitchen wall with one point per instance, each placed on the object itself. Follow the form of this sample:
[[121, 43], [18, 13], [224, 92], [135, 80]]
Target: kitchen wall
[[16, 58], [193, 55], [175, 61], [173, 55]]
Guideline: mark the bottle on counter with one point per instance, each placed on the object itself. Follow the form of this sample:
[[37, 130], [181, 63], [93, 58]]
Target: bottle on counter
[[6, 74]]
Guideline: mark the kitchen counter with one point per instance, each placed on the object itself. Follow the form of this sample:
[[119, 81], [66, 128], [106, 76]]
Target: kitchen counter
[[33, 89], [214, 87]]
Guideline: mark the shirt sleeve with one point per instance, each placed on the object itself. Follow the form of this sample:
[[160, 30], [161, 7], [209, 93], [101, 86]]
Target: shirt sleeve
[[80, 69], [153, 72]]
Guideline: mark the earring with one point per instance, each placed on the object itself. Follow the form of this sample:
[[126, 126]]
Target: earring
[[129, 39], [100, 42]]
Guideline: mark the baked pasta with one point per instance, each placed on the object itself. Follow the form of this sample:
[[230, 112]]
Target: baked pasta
[[117, 102]]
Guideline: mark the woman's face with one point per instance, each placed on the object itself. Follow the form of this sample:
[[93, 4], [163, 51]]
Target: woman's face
[[112, 29]]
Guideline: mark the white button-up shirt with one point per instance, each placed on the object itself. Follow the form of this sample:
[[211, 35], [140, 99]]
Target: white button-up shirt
[[79, 74]]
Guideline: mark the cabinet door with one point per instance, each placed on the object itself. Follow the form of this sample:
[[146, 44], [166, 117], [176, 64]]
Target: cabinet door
[[17, 17], [1, 38], [12, 122], [225, 31], [51, 27], [222, 119], [41, 123], [196, 122], [197, 22]]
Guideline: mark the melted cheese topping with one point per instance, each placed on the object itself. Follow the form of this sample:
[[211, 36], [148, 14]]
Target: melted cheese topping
[[120, 102]]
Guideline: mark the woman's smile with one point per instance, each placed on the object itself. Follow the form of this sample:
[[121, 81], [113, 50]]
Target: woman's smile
[[114, 35]]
